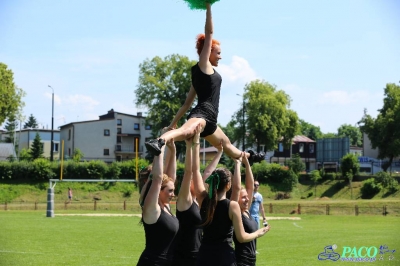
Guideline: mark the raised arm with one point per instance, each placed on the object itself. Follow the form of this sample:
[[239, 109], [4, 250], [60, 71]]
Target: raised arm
[[211, 166], [204, 62], [185, 197], [151, 209], [188, 103], [198, 182], [249, 181], [236, 217], [236, 180], [170, 160]]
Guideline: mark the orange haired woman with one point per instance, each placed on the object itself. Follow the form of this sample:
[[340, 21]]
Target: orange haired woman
[[206, 85]]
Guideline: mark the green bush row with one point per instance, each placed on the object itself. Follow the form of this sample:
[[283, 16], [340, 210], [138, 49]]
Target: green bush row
[[43, 169]]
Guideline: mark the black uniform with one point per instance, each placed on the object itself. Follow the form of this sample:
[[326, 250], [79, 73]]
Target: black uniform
[[207, 88], [216, 246], [189, 236], [160, 241], [246, 252]]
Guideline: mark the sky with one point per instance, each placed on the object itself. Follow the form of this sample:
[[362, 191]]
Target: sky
[[333, 58]]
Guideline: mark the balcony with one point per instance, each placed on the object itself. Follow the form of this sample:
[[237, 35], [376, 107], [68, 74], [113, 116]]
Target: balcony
[[126, 149]]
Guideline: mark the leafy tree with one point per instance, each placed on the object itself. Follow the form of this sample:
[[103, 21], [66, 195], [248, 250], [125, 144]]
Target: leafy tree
[[234, 132], [315, 177], [78, 155], [11, 95], [384, 131], [36, 150], [309, 130], [10, 127], [162, 88], [269, 118], [31, 123], [354, 134], [329, 135], [25, 155], [350, 167], [296, 164]]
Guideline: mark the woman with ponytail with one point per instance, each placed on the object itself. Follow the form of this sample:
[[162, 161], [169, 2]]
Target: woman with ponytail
[[221, 217], [206, 85], [160, 225]]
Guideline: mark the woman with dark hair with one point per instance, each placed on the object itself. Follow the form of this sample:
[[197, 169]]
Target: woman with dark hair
[[220, 216], [189, 236], [206, 85], [246, 252], [160, 225]]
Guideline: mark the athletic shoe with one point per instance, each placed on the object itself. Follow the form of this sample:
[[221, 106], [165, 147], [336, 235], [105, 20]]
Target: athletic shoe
[[255, 157], [259, 157], [154, 146]]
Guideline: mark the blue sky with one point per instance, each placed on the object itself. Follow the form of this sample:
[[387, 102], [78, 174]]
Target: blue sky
[[332, 57]]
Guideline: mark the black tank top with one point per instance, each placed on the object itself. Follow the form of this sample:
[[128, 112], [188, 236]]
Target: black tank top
[[246, 251], [160, 240], [207, 87], [188, 239], [220, 230]]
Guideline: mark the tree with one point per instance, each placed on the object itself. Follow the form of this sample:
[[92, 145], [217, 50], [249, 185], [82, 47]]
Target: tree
[[329, 135], [315, 177], [10, 127], [162, 88], [31, 123], [77, 155], [384, 131], [354, 134], [269, 119], [296, 164], [309, 130], [36, 150], [11, 95], [350, 167]]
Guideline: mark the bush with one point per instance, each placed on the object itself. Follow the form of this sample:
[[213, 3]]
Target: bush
[[370, 188], [387, 181], [41, 169], [330, 176]]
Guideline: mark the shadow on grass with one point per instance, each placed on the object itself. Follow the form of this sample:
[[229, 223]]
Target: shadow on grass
[[332, 190]]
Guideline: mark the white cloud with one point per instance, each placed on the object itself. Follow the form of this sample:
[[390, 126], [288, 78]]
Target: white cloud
[[85, 102], [238, 71], [343, 97]]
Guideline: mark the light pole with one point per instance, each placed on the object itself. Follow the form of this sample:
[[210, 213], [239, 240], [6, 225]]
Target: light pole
[[244, 125], [52, 124]]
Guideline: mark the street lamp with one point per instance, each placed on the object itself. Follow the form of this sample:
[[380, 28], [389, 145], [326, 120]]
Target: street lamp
[[52, 124], [244, 125]]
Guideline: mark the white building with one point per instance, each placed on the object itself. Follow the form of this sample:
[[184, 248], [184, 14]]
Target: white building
[[111, 138]]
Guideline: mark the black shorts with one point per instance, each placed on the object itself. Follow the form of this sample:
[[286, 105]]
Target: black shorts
[[206, 111]]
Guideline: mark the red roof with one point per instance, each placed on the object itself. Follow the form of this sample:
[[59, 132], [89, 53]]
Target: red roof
[[302, 139]]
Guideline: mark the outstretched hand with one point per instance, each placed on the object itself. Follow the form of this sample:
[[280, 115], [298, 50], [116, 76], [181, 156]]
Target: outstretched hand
[[245, 160]]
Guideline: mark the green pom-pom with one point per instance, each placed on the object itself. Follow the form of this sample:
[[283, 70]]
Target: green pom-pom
[[199, 4]]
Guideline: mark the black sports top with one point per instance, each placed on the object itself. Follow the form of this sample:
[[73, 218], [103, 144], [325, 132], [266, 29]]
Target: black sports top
[[207, 87], [246, 251], [188, 239], [220, 230], [160, 240]]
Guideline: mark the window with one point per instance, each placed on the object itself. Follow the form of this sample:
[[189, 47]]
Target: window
[[106, 152], [136, 126], [55, 147], [301, 147], [106, 132], [281, 147], [119, 130], [118, 147], [148, 127], [311, 148], [69, 134], [119, 139], [119, 158], [119, 122]]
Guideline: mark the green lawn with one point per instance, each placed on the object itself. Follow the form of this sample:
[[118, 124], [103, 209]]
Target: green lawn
[[29, 238]]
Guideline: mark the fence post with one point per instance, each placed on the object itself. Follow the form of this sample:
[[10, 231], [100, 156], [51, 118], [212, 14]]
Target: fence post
[[327, 209], [299, 209], [356, 210], [95, 203], [5, 206], [35, 205], [384, 210], [65, 205], [270, 208], [124, 205]]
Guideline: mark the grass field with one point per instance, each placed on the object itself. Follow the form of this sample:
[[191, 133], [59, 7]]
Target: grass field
[[29, 238]]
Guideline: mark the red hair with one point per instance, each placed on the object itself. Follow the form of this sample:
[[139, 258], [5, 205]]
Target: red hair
[[200, 43]]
